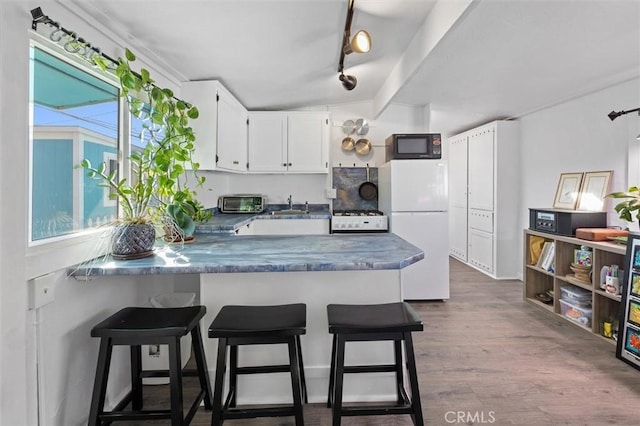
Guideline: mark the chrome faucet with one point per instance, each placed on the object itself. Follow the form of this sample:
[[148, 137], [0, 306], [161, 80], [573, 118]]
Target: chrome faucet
[[290, 201]]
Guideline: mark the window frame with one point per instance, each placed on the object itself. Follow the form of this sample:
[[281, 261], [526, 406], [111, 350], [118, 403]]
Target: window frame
[[53, 253]]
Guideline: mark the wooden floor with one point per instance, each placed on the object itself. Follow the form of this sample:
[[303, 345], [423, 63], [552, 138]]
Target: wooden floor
[[488, 357]]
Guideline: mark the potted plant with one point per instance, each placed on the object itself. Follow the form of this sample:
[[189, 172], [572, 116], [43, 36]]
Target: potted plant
[[630, 208], [158, 194]]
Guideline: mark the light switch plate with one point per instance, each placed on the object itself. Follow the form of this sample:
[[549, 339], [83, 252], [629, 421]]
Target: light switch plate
[[331, 193], [41, 291]]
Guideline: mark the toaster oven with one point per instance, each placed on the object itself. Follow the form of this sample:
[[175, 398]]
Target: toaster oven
[[242, 203]]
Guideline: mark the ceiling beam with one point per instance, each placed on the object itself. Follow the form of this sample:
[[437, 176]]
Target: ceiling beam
[[442, 18]]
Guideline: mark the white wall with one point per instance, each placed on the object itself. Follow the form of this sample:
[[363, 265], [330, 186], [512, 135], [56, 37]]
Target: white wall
[[62, 383], [577, 136], [14, 382]]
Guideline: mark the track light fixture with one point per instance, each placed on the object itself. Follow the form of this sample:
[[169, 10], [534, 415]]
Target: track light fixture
[[348, 81], [613, 115], [360, 43]]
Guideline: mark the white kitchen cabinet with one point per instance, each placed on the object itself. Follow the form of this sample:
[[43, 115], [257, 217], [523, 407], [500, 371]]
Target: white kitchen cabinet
[[481, 250], [483, 198], [290, 227], [458, 197], [288, 142], [246, 229], [481, 169], [267, 142], [221, 129]]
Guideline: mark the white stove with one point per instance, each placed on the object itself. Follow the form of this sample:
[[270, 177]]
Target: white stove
[[345, 221]]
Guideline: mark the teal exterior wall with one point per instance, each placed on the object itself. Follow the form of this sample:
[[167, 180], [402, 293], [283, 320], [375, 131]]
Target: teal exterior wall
[[94, 208], [52, 196]]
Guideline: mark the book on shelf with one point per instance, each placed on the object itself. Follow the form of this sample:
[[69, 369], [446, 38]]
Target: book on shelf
[[543, 253], [548, 262], [547, 255]]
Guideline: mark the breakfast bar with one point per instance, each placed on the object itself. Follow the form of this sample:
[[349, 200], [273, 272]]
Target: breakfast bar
[[277, 269]]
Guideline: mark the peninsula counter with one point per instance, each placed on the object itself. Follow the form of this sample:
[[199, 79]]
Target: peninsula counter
[[278, 269]]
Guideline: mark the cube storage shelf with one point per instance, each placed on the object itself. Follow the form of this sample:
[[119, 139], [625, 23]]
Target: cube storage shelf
[[604, 306]]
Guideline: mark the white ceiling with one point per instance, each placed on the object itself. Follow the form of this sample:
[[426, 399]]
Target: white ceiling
[[502, 58]]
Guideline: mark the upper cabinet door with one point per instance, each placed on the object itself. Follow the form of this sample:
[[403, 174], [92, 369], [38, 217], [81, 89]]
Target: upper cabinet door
[[481, 169], [232, 134], [308, 142], [267, 142], [203, 95], [458, 172]]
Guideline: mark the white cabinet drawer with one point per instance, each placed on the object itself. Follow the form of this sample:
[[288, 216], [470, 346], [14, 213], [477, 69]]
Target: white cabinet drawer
[[481, 220]]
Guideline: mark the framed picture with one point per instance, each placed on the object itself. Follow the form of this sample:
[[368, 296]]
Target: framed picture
[[595, 186], [568, 191]]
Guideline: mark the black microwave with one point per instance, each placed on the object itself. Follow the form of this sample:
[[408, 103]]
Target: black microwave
[[404, 146]]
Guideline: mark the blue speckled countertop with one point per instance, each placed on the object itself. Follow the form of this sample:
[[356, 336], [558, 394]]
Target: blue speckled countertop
[[227, 252]]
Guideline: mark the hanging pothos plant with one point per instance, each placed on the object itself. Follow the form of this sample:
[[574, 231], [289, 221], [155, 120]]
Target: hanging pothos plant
[[158, 192]]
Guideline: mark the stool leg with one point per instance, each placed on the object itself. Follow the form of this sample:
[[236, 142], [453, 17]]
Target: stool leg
[[339, 373], [136, 378], [416, 405], [397, 347], [332, 372], [100, 382], [216, 416], [301, 367], [233, 374], [175, 374], [294, 362], [201, 363]]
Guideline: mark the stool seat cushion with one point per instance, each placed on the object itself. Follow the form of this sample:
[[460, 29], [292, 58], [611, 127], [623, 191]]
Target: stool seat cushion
[[246, 321], [379, 318], [150, 322]]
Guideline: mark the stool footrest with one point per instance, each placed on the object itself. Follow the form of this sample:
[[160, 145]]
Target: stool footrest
[[264, 369], [248, 413], [384, 368], [136, 415], [165, 373], [376, 410]]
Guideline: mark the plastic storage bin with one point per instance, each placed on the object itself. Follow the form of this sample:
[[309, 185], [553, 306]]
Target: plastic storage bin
[[156, 357], [575, 295], [575, 312]]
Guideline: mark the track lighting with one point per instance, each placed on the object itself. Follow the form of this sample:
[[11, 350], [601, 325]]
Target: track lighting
[[348, 81], [360, 43]]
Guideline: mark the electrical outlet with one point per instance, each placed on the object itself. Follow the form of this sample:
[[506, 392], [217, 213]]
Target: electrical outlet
[[41, 291], [331, 193]]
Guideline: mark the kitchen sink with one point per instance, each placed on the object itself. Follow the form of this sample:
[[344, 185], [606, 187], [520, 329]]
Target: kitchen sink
[[288, 212]]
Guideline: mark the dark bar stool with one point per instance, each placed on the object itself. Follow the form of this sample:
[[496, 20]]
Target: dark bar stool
[[358, 323], [258, 325], [150, 326]]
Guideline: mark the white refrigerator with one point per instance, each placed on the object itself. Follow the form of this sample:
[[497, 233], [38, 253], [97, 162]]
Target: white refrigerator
[[414, 194]]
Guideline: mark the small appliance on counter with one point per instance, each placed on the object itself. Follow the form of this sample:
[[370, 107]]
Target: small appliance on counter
[[242, 203], [350, 221]]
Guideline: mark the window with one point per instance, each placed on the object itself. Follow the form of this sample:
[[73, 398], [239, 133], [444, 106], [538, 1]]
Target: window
[[74, 116]]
